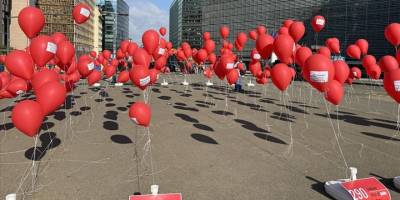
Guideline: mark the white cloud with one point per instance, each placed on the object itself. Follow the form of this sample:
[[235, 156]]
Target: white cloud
[[146, 15]]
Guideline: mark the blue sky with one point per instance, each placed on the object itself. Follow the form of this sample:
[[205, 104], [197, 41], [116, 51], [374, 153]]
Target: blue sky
[[146, 14]]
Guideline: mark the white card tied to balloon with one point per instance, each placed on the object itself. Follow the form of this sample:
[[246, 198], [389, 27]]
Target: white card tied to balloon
[[51, 47], [319, 76], [230, 65], [161, 51], [397, 85], [145, 81], [90, 66], [85, 12], [367, 188], [320, 22], [256, 56], [176, 196]]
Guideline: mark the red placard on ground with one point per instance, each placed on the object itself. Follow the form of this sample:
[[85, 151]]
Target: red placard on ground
[[176, 196], [367, 189]]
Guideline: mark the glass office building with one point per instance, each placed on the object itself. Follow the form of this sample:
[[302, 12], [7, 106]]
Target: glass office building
[[5, 17], [185, 22], [115, 24], [346, 20]]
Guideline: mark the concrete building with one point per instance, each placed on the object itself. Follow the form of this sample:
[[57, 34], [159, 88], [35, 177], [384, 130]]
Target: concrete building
[[98, 30], [18, 40], [116, 23], [5, 16], [347, 20], [186, 22]]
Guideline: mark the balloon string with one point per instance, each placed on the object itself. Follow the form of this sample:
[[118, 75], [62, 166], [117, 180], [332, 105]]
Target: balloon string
[[151, 156], [336, 137], [338, 122]]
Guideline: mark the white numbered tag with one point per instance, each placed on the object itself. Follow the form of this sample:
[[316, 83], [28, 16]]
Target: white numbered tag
[[256, 56], [230, 65], [161, 51], [85, 12], [51, 47], [90, 66], [319, 76], [145, 81], [397, 86], [320, 22]]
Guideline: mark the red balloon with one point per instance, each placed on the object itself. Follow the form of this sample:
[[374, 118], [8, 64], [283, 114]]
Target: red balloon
[[363, 45], [253, 35], [318, 71], [398, 56], [43, 77], [240, 66], [318, 23], [209, 45], [297, 30], [153, 76], [31, 20], [85, 65], [140, 113], [302, 54], [283, 31], [212, 58], [65, 52], [353, 51], [107, 54], [388, 63], [19, 63], [2, 59], [206, 36], [368, 60], [180, 55], [4, 79], [124, 45], [42, 49], [325, 51], [281, 76], [208, 73], [261, 30], [132, 48], [355, 73], [120, 54], [224, 31], [123, 77], [27, 116], [391, 83], [140, 76], [163, 31], [110, 71], [202, 55], [150, 40], [58, 37], [81, 13], [51, 96], [342, 71], [17, 86], [242, 39], [93, 54], [94, 77], [160, 63], [141, 57], [265, 45], [287, 23], [392, 34], [333, 44], [232, 76], [374, 71], [283, 48], [334, 92], [262, 80], [169, 45]]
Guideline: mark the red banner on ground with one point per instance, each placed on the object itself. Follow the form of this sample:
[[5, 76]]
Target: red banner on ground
[[176, 196], [367, 189]]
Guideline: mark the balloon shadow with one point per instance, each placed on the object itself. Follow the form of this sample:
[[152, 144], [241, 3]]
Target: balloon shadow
[[186, 118], [269, 138], [203, 138], [121, 139], [48, 141], [110, 125], [111, 115], [250, 126], [318, 186], [203, 127]]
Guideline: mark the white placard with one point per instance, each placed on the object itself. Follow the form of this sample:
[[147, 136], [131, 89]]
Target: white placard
[[51, 47], [161, 51], [397, 85], [90, 66], [320, 22], [230, 65], [319, 76], [257, 56], [85, 12], [144, 81]]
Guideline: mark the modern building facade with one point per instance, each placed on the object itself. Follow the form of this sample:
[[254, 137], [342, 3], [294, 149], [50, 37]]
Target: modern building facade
[[186, 22], [18, 40], [58, 19], [347, 20], [5, 21], [98, 30], [115, 24]]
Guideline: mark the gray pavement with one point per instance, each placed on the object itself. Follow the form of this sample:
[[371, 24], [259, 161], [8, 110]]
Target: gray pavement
[[259, 144]]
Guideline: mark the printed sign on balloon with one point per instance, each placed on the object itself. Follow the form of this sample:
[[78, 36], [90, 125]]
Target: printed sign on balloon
[[319, 76], [367, 189]]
